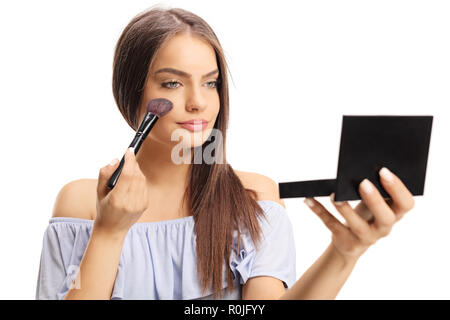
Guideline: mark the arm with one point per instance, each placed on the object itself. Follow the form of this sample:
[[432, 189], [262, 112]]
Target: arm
[[98, 267], [350, 241], [116, 211], [324, 279]]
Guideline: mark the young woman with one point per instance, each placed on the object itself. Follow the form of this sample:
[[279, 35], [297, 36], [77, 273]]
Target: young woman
[[192, 230]]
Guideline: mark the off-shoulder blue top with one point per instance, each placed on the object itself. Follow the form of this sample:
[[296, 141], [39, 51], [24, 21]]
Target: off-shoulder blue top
[[158, 259]]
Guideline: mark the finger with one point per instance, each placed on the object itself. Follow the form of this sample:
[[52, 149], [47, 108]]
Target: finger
[[103, 177], [138, 182], [137, 186], [126, 175], [364, 212], [333, 224], [384, 216], [402, 198], [355, 222]]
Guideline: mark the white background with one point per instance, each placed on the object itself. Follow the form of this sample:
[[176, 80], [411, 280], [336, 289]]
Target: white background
[[297, 67]]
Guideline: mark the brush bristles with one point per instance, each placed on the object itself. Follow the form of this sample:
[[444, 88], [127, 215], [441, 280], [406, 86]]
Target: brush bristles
[[159, 106]]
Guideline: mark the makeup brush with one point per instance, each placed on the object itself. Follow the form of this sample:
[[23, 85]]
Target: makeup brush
[[156, 108]]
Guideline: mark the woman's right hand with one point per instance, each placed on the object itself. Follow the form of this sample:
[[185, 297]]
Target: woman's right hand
[[118, 209]]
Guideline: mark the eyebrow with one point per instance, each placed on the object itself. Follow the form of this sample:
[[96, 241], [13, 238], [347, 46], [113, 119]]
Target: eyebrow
[[184, 74]]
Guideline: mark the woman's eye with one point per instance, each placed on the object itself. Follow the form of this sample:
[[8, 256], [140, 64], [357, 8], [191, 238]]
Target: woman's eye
[[173, 84], [212, 84], [169, 84]]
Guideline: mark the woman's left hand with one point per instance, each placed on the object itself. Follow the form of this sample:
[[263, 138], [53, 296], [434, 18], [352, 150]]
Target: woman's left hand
[[354, 237]]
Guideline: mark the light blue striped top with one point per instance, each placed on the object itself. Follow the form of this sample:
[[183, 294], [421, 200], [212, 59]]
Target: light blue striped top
[[158, 259]]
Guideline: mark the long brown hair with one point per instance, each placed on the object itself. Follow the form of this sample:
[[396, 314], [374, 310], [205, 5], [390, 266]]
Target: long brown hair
[[215, 195]]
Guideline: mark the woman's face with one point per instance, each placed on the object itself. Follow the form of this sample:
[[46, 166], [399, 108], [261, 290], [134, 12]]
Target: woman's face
[[185, 72]]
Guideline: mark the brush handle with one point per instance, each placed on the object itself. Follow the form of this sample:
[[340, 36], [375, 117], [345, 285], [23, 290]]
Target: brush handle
[[115, 176], [136, 144], [142, 132]]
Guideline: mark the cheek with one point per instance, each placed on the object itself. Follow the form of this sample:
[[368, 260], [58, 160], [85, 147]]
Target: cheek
[[162, 131]]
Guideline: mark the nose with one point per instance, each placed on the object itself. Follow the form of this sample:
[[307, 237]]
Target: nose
[[195, 100]]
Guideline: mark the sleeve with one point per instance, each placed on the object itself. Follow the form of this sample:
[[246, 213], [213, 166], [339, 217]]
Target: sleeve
[[275, 255], [62, 250]]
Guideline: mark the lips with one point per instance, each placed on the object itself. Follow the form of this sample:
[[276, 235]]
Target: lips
[[194, 124]]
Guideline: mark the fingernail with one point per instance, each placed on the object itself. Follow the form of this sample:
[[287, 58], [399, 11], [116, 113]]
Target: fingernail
[[366, 186], [386, 174], [131, 149], [113, 162], [309, 202]]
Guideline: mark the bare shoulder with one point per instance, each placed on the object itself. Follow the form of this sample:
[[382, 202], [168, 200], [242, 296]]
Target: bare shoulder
[[76, 199], [265, 187]]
